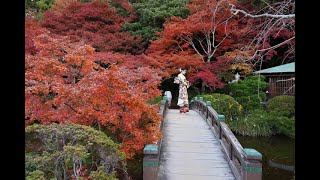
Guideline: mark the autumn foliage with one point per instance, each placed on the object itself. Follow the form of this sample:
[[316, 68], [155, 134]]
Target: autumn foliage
[[32, 29], [95, 23], [65, 84], [197, 42], [82, 67]]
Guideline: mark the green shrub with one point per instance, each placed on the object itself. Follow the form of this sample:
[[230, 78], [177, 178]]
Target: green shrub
[[36, 175], [247, 94], [256, 123], [287, 127], [283, 105], [101, 174], [283, 125], [262, 123], [156, 100], [44, 5], [226, 105], [60, 148]]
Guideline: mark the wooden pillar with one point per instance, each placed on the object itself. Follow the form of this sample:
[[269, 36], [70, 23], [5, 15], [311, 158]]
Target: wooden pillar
[[208, 104], [221, 118], [252, 167], [151, 162]]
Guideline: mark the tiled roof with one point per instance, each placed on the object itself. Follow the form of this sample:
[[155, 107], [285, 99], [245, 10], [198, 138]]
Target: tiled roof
[[290, 67]]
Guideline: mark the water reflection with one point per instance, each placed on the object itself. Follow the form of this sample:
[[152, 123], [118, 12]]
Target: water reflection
[[281, 166], [278, 155]]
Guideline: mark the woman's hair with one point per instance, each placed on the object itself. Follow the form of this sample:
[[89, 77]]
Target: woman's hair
[[182, 69]]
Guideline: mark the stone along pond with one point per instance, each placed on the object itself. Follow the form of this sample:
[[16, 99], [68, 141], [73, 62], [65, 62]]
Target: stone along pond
[[278, 155]]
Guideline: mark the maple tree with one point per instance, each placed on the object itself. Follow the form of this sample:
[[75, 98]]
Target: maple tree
[[207, 30], [65, 84], [96, 23], [270, 31], [198, 41]]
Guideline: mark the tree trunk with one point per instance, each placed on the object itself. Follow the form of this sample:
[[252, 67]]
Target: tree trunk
[[99, 125], [203, 87]]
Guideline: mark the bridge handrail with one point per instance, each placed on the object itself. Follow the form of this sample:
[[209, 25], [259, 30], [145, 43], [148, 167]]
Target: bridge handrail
[[245, 163], [151, 152]]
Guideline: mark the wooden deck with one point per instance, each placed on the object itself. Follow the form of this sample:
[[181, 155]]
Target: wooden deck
[[190, 150]]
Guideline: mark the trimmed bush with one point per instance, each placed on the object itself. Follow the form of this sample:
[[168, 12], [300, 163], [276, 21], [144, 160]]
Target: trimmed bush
[[247, 94], [286, 126], [283, 105], [226, 105], [283, 125]]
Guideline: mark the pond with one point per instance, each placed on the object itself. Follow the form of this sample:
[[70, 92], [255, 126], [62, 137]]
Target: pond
[[278, 155]]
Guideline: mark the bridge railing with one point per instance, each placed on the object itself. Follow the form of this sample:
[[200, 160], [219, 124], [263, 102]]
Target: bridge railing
[[245, 163], [151, 159]]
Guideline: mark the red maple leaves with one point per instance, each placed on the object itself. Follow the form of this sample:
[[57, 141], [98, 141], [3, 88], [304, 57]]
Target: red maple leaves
[[96, 23], [65, 83]]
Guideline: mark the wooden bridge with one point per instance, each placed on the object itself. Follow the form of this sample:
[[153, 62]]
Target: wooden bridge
[[198, 145]]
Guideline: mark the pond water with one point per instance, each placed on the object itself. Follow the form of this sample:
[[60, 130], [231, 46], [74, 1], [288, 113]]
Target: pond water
[[278, 155]]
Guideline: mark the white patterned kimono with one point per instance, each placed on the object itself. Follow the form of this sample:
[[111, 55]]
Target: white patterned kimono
[[183, 94]]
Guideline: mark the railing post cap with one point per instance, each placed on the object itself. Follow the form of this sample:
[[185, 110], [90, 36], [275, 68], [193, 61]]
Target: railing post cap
[[221, 117], [150, 149], [251, 154], [208, 103]]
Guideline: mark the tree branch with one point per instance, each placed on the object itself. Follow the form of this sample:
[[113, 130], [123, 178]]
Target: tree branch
[[71, 107], [236, 11], [290, 79], [272, 47]]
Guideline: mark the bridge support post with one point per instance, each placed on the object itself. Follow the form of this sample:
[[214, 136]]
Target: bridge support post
[[208, 103], [221, 118], [252, 167], [151, 162]]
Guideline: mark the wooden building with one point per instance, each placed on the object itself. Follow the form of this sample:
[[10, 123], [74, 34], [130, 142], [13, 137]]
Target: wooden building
[[281, 79]]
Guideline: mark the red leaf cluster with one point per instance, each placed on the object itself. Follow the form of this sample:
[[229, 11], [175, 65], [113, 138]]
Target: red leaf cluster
[[179, 44], [96, 23], [65, 83]]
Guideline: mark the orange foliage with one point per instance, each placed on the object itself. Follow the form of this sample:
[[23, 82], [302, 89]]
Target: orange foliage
[[65, 84]]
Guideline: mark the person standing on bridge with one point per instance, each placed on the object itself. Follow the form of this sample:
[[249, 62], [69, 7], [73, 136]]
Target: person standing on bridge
[[184, 84]]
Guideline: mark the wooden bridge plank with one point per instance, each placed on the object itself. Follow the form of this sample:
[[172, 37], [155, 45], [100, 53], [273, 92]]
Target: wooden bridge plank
[[190, 150]]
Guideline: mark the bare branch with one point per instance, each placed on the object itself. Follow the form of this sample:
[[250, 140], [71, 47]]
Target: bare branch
[[289, 89], [290, 79], [187, 39], [276, 20], [273, 47], [236, 11]]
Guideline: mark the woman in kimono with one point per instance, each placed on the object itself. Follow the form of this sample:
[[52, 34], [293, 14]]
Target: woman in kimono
[[183, 94]]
